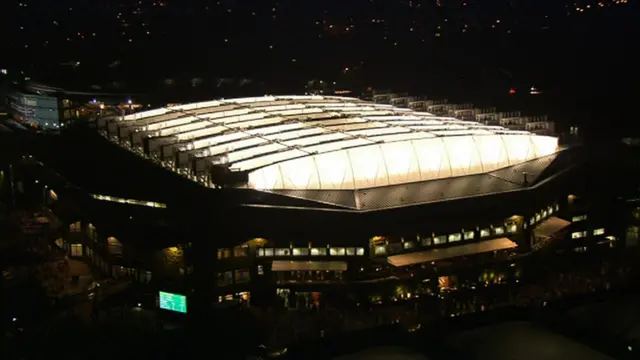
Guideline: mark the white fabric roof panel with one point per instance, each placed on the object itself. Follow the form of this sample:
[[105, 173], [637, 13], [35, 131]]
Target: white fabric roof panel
[[325, 142]]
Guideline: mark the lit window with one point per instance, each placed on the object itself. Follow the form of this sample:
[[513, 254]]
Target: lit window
[[437, 240], [426, 241], [319, 252], [579, 218], [283, 252], [532, 221], [260, 270], [469, 235], [359, 251], [544, 214], [351, 251], [485, 233], [240, 251], [512, 228], [598, 231], [336, 251], [268, 252], [578, 234], [550, 210], [557, 207], [455, 237], [76, 249], [499, 230], [261, 252], [300, 251], [538, 217], [380, 250], [408, 245]]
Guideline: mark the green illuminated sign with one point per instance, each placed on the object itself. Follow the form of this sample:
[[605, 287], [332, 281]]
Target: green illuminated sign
[[173, 302]]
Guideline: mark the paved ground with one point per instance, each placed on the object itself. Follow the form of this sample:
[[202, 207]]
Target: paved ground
[[384, 353], [521, 341], [619, 317]]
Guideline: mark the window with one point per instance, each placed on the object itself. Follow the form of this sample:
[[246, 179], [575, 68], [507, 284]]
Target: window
[[437, 240], [538, 217], [242, 276], [283, 252], [76, 249], [544, 214], [268, 252], [300, 251], [240, 251], [225, 278], [351, 251], [426, 241], [498, 230], [550, 210], [557, 207], [455, 237], [408, 245], [598, 231], [260, 270], [380, 250], [360, 251], [318, 251], [224, 253], [579, 218], [485, 233], [336, 251], [145, 276], [532, 220], [512, 228], [469, 235], [75, 227], [578, 234]]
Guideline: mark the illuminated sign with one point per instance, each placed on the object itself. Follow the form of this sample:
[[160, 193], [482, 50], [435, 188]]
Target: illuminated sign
[[173, 302]]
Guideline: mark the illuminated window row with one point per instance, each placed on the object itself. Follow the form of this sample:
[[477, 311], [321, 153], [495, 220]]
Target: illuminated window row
[[314, 251], [543, 214], [129, 201]]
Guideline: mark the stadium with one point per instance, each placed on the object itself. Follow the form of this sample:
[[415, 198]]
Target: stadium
[[323, 190]]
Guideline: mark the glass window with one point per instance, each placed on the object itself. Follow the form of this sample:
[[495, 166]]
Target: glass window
[[455, 237], [512, 228], [579, 218], [75, 227], [318, 251], [532, 220], [426, 241], [598, 231], [380, 250], [360, 251], [283, 252], [469, 235], [578, 234], [557, 207], [498, 230], [485, 233], [268, 252], [538, 217], [261, 252], [260, 270], [408, 245], [240, 251], [300, 251], [351, 251], [544, 214], [336, 251], [76, 249], [550, 210], [437, 240], [242, 276]]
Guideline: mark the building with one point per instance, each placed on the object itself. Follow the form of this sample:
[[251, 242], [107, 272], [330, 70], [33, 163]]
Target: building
[[37, 111], [324, 190]]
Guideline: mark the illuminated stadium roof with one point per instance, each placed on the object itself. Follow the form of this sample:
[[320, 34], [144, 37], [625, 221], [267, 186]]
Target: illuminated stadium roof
[[323, 142]]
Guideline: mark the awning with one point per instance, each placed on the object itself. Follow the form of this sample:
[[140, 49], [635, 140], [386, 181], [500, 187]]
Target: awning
[[284, 265], [451, 252], [550, 226]]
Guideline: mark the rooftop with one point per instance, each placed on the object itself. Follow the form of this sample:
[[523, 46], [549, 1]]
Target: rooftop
[[324, 142]]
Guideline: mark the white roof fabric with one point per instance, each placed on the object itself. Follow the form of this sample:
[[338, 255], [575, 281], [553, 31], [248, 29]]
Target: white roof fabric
[[336, 143]]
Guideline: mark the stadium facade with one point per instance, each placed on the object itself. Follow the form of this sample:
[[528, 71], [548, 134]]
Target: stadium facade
[[325, 190], [306, 194]]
